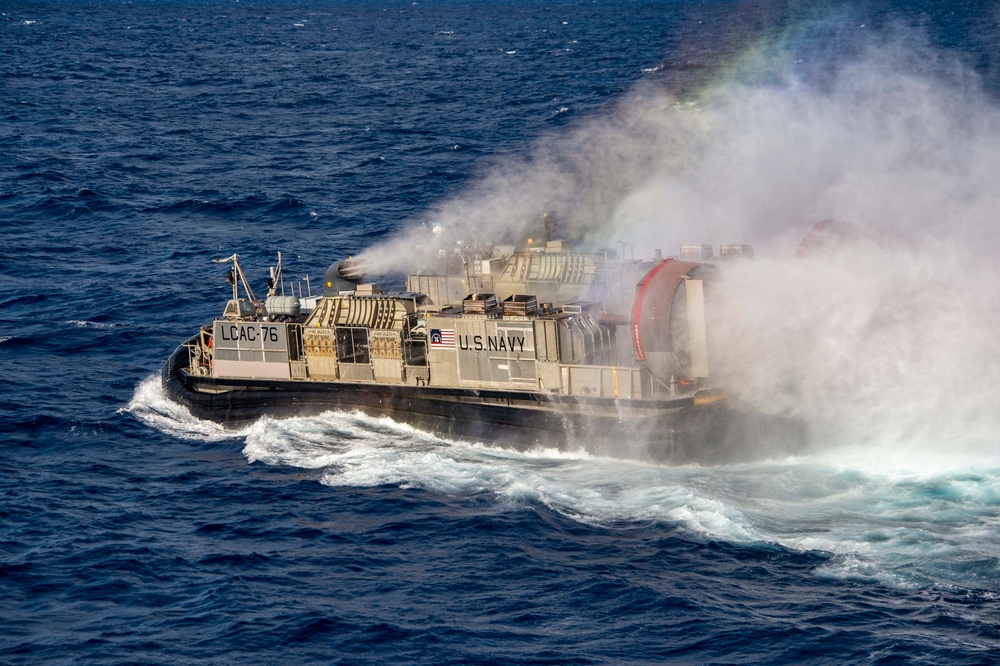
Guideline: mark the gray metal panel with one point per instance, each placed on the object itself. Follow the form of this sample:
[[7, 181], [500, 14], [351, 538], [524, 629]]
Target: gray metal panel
[[251, 370], [249, 342], [227, 354], [439, 289], [419, 375], [388, 370], [443, 369], [522, 371], [474, 366], [496, 352], [585, 380], [470, 339], [697, 331], [250, 349], [547, 344], [324, 367], [549, 376], [513, 340], [250, 335], [357, 372]]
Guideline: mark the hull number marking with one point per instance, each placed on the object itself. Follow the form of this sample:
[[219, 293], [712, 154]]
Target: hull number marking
[[237, 333]]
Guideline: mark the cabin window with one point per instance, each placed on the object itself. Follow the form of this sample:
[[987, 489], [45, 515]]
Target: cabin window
[[352, 345]]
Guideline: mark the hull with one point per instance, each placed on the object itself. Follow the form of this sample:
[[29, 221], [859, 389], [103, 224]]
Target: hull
[[681, 429]]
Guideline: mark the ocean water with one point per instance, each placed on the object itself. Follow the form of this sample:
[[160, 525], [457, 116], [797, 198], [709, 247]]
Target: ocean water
[[141, 140]]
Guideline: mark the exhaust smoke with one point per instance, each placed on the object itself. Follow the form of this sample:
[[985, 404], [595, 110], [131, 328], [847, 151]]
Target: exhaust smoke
[[888, 340]]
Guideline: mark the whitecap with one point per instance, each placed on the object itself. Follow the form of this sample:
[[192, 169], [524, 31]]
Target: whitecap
[[151, 405], [357, 450], [82, 323]]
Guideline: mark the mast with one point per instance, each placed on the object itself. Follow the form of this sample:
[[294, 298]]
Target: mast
[[238, 276]]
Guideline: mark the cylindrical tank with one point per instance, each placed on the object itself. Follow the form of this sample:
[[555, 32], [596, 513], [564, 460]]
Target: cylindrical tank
[[287, 306], [659, 323], [342, 276]]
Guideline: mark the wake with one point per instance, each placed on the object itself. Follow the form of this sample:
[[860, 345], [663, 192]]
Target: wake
[[901, 522]]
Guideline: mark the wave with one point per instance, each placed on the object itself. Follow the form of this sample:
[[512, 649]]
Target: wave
[[901, 525], [83, 323], [252, 203], [150, 405]]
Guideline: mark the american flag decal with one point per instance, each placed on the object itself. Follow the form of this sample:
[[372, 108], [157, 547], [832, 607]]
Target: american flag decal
[[442, 338]]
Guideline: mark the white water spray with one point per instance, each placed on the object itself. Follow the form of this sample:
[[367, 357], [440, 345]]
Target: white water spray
[[888, 341]]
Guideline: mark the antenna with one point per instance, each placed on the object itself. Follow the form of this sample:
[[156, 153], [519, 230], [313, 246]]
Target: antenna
[[277, 281]]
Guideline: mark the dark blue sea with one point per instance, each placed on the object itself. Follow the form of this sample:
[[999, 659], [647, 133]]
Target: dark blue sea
[[141, 140]]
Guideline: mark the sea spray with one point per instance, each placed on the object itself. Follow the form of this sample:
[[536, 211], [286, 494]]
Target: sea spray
[[885, 336]]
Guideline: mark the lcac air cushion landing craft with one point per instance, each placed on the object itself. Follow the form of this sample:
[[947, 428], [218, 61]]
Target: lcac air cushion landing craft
[[540, 346]]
